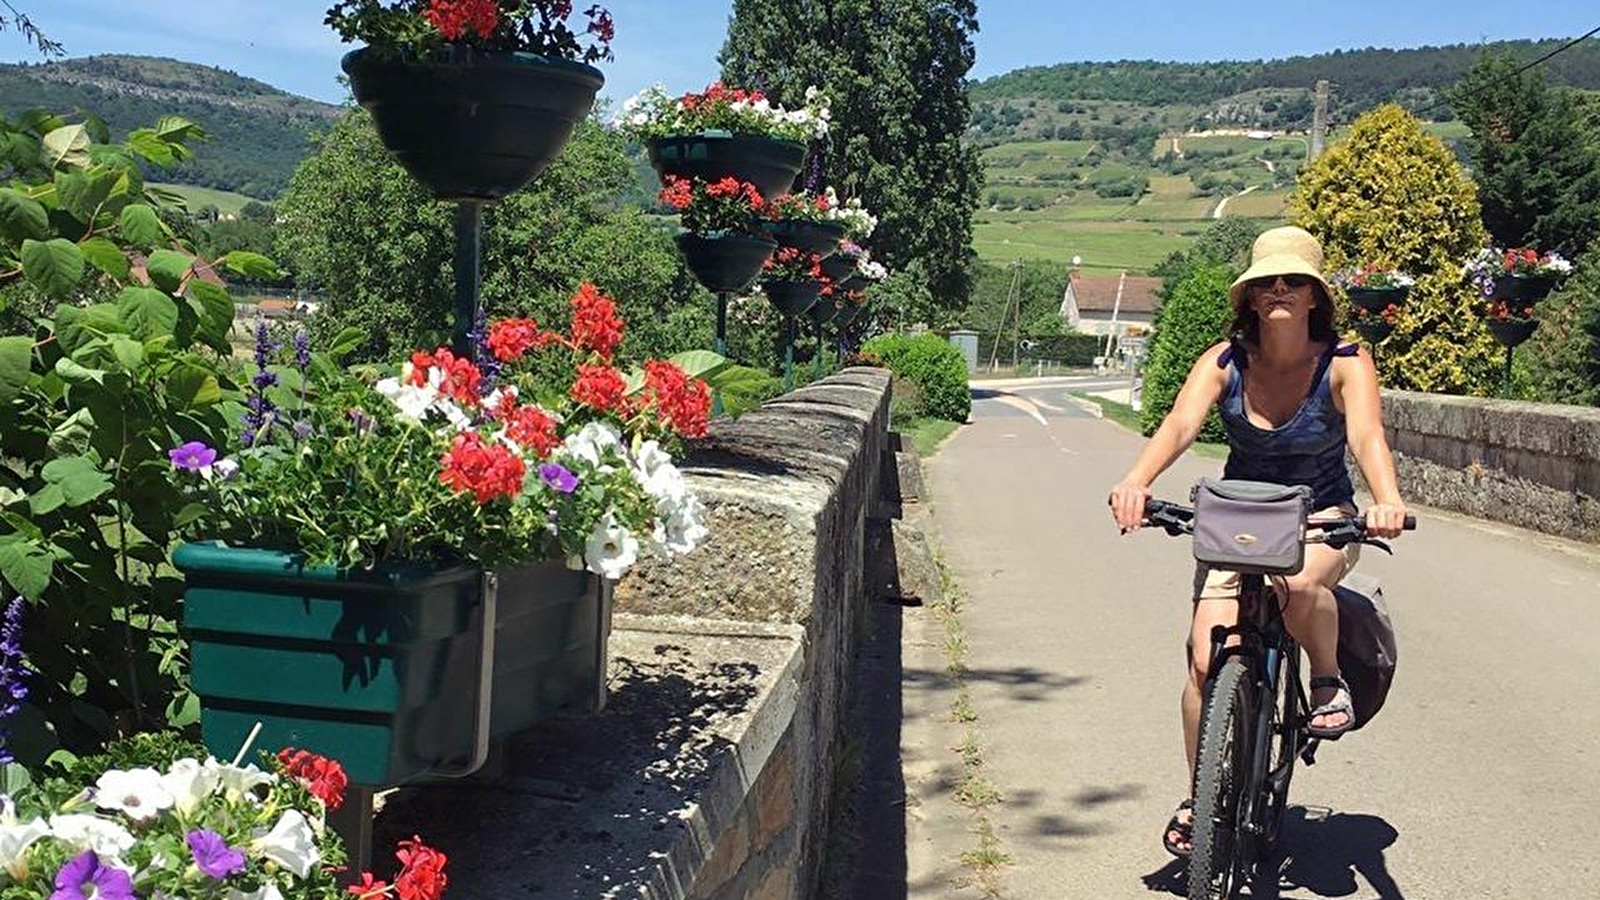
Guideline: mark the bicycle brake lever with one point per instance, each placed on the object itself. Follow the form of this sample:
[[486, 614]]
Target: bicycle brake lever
[[1374, 542]]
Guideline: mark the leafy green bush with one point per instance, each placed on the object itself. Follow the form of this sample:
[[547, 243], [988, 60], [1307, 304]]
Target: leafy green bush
[[905, 405], [1196, 315], [933, 365], [1563, 357]]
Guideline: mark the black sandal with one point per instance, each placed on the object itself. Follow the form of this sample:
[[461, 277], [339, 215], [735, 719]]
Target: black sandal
[[1184, 830], [1339, 704]]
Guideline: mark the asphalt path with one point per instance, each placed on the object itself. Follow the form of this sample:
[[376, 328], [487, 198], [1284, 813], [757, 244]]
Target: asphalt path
[[1478, 780]]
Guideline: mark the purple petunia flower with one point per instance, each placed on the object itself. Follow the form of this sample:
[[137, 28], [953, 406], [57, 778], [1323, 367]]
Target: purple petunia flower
[[192, 457], [213, 855], [559, 478], [83, 878], [13, 688]]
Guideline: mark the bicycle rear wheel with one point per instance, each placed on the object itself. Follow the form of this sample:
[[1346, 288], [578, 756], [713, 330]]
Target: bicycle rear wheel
[[1222, 776]]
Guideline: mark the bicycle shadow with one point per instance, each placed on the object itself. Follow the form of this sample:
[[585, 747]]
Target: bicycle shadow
[[1320, 853]]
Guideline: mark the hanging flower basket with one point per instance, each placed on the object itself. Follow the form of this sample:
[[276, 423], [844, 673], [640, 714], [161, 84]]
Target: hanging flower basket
[[823, 311], [792, 297], [1374, 329], [1377, 299], [839, 268], [1512, 332], [473, 125], [770, 164], [1522, 290], [725, 263], [847, 313], [821, 238]]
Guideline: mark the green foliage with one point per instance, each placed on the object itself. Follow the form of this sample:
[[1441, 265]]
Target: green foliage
[[1194, 317], [1039, 287], [1536, 164], [1562, 359], [1393, 196], [1226, 241], [92, 396], [931, 363], [258, 133], [380, 250], [898, 96]]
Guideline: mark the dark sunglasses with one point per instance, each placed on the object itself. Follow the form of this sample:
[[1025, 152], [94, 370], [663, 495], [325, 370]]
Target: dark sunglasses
[[1294, 282]]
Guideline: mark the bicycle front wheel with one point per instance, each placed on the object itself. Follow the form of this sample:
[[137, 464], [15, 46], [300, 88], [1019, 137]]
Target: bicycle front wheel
[[1222, 773]]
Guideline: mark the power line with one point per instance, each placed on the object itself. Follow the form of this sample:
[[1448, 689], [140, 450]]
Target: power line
[[1423, 113]]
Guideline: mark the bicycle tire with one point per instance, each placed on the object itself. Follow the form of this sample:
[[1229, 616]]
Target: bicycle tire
[[1285, 747], [1221, 770]]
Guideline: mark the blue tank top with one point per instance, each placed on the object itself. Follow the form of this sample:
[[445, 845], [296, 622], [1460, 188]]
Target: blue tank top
[[1308, 449]]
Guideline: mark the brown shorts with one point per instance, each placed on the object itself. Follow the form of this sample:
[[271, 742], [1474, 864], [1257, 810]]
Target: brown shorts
[[1220, 584]]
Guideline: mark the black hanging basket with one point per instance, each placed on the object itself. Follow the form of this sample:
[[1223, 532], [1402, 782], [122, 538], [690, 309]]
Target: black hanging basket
[[846, 314], [839, 268], [821, 238], [771, 165], [1374, 329], [1522, 291], [1377, 299], [726, 263], [792, 297], [1512, 332], [823, 311], [855, 283], [471, 125]]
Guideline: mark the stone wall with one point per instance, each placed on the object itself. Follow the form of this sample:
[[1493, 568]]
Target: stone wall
[[789, 490], [1532, 465]]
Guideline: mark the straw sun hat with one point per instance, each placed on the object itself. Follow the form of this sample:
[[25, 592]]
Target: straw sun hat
[[1281, 251]]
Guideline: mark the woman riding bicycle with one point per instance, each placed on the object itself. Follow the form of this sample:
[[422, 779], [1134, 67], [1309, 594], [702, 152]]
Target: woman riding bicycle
[[1291, 398]]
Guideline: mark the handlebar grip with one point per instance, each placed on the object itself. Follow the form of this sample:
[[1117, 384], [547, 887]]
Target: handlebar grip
[[1410, 523]]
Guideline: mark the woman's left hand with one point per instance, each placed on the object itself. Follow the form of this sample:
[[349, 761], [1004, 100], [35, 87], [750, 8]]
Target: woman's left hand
[[1386, 520]]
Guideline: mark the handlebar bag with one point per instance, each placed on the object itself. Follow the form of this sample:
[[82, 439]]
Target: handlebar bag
[[1367, 652], [1250, 526]]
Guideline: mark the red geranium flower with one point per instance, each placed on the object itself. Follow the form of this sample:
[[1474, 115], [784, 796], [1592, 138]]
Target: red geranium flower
[[461, 376], [487, 470], [322, 776], [684, 403], [454, 18], [599, 387], [531, 427], [370, 888], [596, 327], [509, 339], [421, 871]]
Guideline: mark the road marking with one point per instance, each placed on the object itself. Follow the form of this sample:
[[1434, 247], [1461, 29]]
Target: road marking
[[1026, 406]]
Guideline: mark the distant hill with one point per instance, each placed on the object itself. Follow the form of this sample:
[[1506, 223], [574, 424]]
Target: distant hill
[[258, 133], [1044, 101]]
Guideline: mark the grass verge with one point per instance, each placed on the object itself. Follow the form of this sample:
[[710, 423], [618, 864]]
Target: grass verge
[[927, 434], [1128, 417], [975, 791]]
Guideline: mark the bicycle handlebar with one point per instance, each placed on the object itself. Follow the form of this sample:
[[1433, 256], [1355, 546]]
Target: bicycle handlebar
[[1177, 519]]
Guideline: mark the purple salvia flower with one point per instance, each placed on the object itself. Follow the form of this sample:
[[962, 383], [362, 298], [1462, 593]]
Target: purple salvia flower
[[302, 350], [265, 345], [485, 359], [558, 478], [364, 423], [13, 672], [212, 855], [814, 173], [192, 456], [259, 416], [303, 430], [83, 878]]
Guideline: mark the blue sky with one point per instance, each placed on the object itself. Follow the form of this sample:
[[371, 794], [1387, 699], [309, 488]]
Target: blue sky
[[284, 43]]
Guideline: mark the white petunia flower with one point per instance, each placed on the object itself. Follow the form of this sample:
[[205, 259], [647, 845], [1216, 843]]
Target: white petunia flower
[[611, 548], [85, 832], [291, 843], [15, 839], [498, 396], [189, 782], [240, 783], [136, 793], [413, 402]]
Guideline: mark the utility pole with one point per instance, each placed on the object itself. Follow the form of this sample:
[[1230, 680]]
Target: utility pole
[[1319, 118], [1116, 307], [1005, 311], [1016, 322]]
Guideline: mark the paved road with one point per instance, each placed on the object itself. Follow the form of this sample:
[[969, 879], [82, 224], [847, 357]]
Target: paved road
[[1481, 778]]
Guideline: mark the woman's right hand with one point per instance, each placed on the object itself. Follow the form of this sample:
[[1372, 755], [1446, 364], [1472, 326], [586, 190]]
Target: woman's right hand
[[1127, 501]]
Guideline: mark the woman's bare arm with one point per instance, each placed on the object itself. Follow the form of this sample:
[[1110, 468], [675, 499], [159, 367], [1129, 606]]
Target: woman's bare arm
[[1177, 433]]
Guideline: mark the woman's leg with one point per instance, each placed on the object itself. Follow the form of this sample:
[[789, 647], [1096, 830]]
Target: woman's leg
[[1312, 616]]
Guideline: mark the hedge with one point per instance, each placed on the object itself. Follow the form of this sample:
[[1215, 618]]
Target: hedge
[[934, 365]]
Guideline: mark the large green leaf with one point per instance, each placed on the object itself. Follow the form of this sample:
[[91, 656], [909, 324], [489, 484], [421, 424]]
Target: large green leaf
[[736, 378], [73, 372], [215, 308], [67, 146], [72, 435], [251, 265], [25, 566], [178, 129], [21, 151], [16, 359], [148, 313], [128, 352], [106, 256], [80, 480], [78, 325], [701, 363], [81, 193], [168, 268], [194, 385], [145, 143], [22, 217], [54, 266], [140, 226]]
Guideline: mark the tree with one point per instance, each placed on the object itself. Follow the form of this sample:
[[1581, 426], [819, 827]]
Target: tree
[[1393, 195], [1537, 166], [898, 94], [1039, 290], [1562, 359], [1227, 240], [380, 249], [1194, 316]]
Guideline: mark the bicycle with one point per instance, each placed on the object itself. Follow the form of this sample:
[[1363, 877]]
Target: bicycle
[[1252, 723]]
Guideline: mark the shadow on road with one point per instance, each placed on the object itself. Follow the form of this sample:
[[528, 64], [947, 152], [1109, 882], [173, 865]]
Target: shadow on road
[[1318, 856], [1023, 683]]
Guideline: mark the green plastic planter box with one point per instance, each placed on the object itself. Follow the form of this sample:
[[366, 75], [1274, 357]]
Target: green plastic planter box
[[380, 669]]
